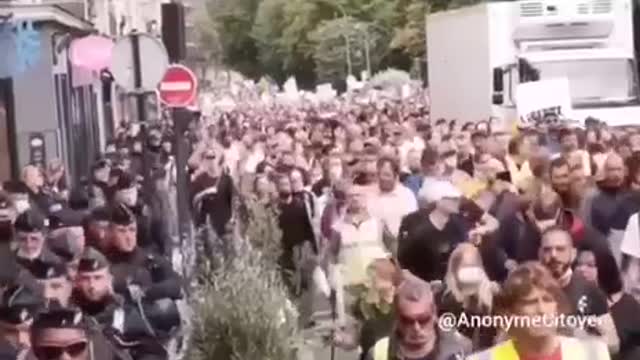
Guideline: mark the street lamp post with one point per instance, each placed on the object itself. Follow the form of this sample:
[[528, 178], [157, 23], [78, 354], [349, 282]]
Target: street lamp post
[[348, 51], [346, 37]]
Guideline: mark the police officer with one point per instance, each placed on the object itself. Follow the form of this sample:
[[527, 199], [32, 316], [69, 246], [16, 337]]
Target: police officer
[[126, 192], [30, 232], [54, 281], [17, 311], [18, 194], [95, 228], [93, 291], [66, 237], [137, 273], [65, 333]]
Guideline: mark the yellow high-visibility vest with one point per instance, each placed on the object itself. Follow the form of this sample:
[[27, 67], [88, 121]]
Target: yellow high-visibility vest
[[381, 349], [571, 348]]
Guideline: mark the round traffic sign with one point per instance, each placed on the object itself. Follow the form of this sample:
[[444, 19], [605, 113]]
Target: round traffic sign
[[178, 87], [153, 62]]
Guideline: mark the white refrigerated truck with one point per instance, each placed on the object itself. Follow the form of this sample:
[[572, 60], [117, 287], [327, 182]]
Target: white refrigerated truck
[[478, 55]]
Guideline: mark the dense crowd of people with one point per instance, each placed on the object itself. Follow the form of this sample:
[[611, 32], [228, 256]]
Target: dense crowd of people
[[402, 217]]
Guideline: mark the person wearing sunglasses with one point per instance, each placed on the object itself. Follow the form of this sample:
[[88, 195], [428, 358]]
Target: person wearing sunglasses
[[61, 334], [415, 333]]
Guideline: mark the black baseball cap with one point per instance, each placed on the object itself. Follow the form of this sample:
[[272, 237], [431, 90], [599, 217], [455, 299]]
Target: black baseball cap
[[92, 260], [30, 221]]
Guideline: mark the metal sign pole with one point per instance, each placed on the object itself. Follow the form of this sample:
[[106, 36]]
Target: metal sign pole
[[181, 119], [141, 97]]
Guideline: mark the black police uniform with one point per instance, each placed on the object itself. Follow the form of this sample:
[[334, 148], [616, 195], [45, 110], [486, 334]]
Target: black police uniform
[[31, 221], [142, 214], [151, 272], [19, 305], [102, 311], [99, 347]]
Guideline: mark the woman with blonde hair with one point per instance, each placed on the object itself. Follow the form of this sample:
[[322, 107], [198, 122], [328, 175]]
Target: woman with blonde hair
[[468, 290]]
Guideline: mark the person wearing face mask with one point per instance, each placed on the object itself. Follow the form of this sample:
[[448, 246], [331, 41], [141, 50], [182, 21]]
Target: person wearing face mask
[[571, 147], [332, 169], [412, 178], [467, 289], [18, 193], [126, 192], [99, 187], [33, 179]]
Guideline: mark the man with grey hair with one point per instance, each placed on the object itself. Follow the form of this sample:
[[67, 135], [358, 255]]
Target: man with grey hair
[[416, 335]]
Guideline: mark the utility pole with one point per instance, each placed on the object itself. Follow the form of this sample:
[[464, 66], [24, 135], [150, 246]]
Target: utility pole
[[367, 50], [348, 51]]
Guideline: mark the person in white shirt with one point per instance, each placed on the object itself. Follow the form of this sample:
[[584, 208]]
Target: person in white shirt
[[392, 201], [358, 238]]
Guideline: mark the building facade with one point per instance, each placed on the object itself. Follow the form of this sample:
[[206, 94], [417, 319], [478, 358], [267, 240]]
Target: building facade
[[40, 111]]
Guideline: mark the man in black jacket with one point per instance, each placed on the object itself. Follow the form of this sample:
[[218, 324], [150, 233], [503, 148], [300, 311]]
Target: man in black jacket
[[137, 273], [428, 236], [93, 292]]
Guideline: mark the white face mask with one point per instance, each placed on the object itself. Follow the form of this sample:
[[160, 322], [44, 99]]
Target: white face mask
[[451, 162], [470, 275], [21, 206], [335, 172], [128, 197]]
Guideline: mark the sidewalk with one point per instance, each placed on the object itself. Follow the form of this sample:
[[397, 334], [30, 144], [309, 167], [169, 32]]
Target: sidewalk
[[315, 306]]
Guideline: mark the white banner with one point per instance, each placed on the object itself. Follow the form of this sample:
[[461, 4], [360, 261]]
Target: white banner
[[538, 98]]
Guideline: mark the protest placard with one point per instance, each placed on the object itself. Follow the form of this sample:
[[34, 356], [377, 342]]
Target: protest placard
[[534, 100]]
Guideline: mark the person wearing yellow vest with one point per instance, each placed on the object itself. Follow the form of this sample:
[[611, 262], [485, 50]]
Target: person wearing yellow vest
[[415, 334], [530, 291]]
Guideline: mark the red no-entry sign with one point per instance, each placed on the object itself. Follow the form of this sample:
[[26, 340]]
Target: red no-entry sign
[[178, 87]]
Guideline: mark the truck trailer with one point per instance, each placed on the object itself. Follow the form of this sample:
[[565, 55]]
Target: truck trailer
[[478, 55]]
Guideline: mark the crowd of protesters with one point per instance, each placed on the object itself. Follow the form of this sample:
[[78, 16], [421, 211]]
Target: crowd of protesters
[[405, 216], [422, 217]]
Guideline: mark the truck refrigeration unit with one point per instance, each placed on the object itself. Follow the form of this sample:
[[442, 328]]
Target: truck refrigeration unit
[[478, 55]]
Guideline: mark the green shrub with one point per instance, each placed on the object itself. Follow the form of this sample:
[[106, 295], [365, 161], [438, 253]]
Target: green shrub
[[243, 313]]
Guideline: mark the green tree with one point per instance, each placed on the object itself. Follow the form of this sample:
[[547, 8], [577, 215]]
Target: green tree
[[305, 38], [232, 20], [343, 40], [410, 38]]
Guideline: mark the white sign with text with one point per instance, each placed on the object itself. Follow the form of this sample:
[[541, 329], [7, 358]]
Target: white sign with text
[[539, 98]]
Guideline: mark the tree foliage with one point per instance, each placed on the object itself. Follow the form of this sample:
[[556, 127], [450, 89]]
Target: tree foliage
[[335, 41], [306, 38]]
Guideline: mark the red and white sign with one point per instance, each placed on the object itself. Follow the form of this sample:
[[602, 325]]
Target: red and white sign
[[179, 86]]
